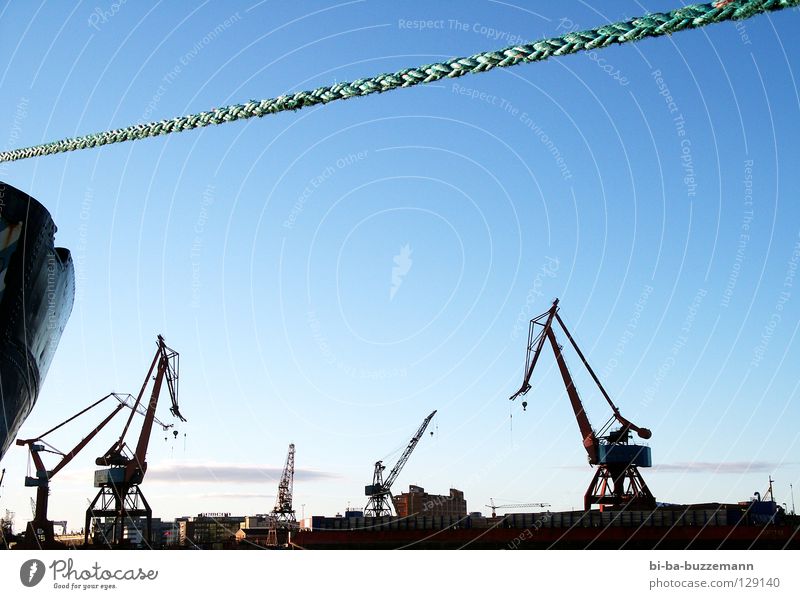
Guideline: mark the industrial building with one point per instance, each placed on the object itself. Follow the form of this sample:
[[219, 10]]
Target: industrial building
[[261, 536], [205, 530], [418, 502], [133, 532], [256, 530]]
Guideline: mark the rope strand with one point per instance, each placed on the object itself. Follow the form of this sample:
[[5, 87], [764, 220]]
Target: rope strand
[[652, 25]]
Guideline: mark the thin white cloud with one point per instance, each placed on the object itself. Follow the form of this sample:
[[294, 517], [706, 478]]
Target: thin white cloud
[[720, 467], [227, 473], [235, 496], [705, 467], [193, 472]]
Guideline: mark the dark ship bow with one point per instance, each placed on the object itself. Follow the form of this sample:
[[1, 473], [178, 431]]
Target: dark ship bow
[[37, 290]]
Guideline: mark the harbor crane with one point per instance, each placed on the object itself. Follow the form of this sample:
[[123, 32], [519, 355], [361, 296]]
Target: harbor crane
[[120, 496], [617, 481], [509, 506], [283, 512], [39, 532], [380, 492], [281, 520]]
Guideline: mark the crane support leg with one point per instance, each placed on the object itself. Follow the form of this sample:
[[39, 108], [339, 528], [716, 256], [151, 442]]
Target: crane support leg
[[40, 535], [615, 485], [121, 504]]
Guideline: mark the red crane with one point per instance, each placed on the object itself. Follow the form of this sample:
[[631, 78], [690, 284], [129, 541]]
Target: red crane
[[39, 533], [617, 481], [120, 496]]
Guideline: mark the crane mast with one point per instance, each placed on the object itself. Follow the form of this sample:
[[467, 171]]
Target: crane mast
[[380, 492], [120, 496], [617, 481]]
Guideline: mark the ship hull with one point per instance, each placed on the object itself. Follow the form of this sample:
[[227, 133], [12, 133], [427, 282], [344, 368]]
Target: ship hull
[[37, 291], [678, 537], [749, 525]]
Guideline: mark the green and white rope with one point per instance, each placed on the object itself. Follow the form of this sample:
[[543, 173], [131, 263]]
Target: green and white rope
[[652, 25]]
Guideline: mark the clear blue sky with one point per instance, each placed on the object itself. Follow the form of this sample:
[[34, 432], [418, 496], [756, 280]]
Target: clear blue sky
[[622, 182]]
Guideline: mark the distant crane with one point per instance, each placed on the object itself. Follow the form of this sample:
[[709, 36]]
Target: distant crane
[[617, 481], [281, 520], [39, 533], [119, 496], [494, 507], [283, 512], [380, 492]]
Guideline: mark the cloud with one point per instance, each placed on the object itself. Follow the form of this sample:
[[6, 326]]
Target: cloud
[[236, 495], [210, 473], [720, 467], [705, 467], [227, 473]]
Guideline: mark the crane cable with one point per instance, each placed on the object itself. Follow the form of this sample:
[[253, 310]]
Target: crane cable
[[651, 25]]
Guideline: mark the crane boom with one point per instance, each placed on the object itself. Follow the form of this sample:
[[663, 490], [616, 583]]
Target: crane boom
[[409, 449], [587, 432], [539, 339], [165, 363], [644, 433], [494, 507], [380, 490]]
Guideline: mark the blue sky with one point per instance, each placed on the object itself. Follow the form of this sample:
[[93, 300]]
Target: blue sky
[[331, 276]]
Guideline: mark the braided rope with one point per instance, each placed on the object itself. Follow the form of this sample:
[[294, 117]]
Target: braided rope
[[652, 25]]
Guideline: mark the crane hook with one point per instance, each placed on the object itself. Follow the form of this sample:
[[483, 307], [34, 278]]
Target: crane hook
[[524, 406]]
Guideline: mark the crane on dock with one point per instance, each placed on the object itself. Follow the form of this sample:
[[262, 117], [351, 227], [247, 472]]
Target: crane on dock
[[120, 496], [509, 506], [617, 481], [39, 532], [380, 492]]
